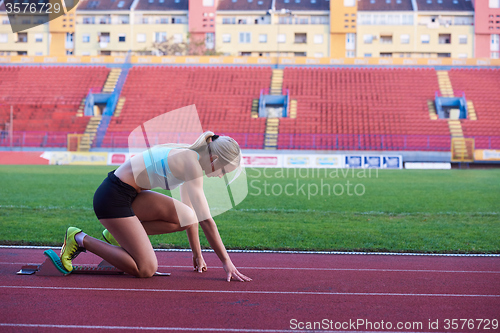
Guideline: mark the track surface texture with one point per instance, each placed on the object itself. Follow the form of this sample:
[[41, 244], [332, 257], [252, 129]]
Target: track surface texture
[[288, 292]]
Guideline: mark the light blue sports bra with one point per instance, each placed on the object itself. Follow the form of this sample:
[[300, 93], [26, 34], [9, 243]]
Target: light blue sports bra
[[156, 161]]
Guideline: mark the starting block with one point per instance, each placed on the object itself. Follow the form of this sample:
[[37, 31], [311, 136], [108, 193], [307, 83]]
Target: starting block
[[52, 266]]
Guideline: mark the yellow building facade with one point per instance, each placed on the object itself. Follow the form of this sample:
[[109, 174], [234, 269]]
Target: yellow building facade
[[285, 34], [336, 29], [62, 33], [31, 42], [416, 35], [134, 31], [343, 23]]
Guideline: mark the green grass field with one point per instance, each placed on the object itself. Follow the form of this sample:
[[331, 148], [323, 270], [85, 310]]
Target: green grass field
[[442, 211]]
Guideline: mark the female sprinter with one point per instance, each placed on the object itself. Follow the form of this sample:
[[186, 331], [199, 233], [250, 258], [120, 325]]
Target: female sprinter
[[130, 212]]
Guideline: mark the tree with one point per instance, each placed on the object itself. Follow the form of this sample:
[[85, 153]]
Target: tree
[[192, 47]]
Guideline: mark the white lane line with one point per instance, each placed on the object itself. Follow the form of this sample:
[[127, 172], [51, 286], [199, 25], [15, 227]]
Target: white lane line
[[245, 292], [292, 252], [195, 329], [310, 269], [347, 269]]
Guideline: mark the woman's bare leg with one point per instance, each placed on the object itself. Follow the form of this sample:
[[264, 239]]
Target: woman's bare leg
[[135, 256], [156, 214], [161, 214]]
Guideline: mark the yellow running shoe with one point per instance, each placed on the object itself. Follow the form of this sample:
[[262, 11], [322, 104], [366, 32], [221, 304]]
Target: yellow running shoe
[[108, 237], [70, 249]]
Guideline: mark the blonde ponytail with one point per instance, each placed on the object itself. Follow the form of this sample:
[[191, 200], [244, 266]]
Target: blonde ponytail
[[198, 145], [224, 147]]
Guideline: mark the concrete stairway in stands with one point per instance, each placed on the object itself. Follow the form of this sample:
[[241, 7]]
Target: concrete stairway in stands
[[271, 136], [89, 134], [111, 81], [277, 82]]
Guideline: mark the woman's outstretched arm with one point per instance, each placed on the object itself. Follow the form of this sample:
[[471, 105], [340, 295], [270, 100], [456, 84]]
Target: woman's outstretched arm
[[193, 237], [212, 233], [194, 190]]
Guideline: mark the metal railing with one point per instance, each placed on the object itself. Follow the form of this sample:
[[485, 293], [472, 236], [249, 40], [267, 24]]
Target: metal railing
[[119, 140]]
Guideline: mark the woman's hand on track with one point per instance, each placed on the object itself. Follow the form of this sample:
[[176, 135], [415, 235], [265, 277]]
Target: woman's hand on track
[[199, 264], [232, 272]]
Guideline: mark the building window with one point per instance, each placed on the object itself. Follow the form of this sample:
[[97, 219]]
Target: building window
[[121, 38], [4, 38], [462, 39], [300, 54], [281, 38], [88, 20], [300, 38], [320, 20], [444, 38], [22, 37], [368, 55], [86, 38], [394, 19], [245, 37], [495, 55], [226, 38], [209, 40], [385, 55], [208, 3], [350, 41], [179, 20], [38, 38], [405, 39], [494, 3], [365, 19], [141, 38], [318, 55], [104, 37], [263, 38], [444, 55], [350, 54], [407, 19], [318, 39], [160, 37], [495, 41], [105, 20], [123, 19], [367, 39], [462, 55], [349, 3], [93, 4], [229, 20], [425, 39], [386, 39]]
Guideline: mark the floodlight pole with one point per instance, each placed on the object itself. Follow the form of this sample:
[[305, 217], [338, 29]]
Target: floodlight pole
[[11, 126]]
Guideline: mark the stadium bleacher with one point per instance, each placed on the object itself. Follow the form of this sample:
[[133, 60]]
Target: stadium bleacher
[[45, 100], [482, 87], [339, 108], [370, 109], [222, 95]]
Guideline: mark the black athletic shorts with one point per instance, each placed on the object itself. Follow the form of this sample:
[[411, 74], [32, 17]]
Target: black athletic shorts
[[113, 198]]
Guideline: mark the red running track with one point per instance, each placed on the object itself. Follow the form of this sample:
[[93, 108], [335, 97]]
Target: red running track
[[339, 291]]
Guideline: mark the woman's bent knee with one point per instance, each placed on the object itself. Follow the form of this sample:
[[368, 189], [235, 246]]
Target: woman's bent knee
[[147, 270]]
